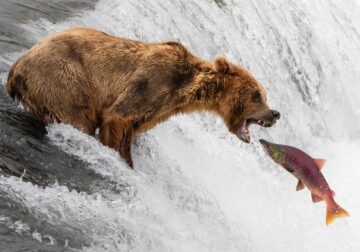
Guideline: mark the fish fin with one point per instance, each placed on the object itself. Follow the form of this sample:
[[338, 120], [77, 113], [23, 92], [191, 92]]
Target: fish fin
[[333, 193], [315, 198], [333, 211], [300, 185], [319, 162]]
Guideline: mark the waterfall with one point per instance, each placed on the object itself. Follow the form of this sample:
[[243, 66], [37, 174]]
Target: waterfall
[[195, 186]]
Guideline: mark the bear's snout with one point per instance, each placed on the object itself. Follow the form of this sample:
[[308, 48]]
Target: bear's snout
[[274, 115]]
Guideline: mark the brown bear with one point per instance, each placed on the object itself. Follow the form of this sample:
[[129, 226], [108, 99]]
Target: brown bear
[[91, 80]]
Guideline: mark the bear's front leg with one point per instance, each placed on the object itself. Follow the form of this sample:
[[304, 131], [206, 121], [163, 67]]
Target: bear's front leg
[[118, 134]]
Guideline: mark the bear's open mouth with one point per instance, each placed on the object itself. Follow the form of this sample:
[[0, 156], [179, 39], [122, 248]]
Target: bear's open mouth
[[244, 133]]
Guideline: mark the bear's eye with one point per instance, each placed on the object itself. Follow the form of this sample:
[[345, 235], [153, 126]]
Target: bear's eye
[[256, 96]]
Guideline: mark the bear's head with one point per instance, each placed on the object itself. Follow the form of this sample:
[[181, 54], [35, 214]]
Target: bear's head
[[243, 100]]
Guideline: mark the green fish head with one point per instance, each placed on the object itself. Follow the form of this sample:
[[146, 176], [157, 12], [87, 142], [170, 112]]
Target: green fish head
[[274, 151]]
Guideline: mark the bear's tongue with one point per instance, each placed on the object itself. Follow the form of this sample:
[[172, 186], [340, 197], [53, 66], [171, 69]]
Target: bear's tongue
[[244, 132]]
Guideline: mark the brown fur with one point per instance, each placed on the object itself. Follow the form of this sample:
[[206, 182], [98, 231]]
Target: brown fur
[[89, 79]]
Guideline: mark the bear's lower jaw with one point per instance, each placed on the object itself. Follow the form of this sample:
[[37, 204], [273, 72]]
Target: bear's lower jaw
[[244, 133], [244, 138]]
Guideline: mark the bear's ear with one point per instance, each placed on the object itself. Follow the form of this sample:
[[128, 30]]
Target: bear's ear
[[222, 64]]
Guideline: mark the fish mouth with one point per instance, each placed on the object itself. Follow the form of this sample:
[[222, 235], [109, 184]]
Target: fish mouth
[[244, 132], [264, 146]]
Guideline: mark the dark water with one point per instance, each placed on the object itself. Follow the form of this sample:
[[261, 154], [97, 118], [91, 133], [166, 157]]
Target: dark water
[[24, 151]]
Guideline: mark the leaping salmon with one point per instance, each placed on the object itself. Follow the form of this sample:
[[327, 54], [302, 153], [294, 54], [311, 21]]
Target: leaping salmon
[[307, 170]]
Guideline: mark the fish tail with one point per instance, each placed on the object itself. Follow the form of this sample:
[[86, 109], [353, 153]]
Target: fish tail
[[333, 211]]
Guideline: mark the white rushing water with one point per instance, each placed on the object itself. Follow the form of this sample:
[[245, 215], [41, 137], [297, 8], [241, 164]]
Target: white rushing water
[[195, 186]]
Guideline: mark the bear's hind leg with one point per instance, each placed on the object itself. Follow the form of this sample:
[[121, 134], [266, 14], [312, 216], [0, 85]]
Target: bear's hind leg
[[118, 134]]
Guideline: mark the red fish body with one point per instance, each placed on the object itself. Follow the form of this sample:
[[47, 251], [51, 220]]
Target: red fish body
[[307, 170]]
